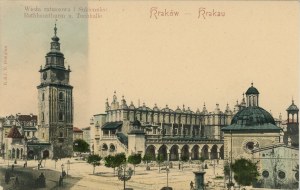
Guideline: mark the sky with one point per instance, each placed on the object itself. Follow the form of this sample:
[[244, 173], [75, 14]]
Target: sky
[[171, 60]]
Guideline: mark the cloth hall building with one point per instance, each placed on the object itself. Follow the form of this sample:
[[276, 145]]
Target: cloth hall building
[[172, 133]]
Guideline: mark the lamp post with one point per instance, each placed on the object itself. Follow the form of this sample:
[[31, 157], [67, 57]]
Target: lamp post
[[124, 175], [55, 160], [167, 170], [62, 169], [68, 167]]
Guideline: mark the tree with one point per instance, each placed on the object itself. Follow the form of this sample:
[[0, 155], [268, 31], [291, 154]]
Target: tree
[[226, 170], [159, 160], [119, 159], [147, 158], [184, 159], [245, 172], [134, 159], [80, 145], [94, 160], [109, 162], [115, 161]]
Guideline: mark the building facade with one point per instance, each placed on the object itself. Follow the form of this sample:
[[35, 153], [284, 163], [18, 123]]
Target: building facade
[[77, 133], [26, 126], [171, 133], [278, 166], [55, 102], [87, 135]]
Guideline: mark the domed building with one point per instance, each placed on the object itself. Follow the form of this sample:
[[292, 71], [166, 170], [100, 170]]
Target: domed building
[[251, 127]]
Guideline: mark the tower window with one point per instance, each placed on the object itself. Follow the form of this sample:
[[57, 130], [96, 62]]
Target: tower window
[[43, 116], [43, 97], [61, 134], [61, 96], [61, 116]]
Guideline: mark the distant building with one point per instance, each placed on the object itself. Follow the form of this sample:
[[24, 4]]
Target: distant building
[[14, 144], [77, 133], [292, 126], [278, 166], [87, 135], [25, 124]]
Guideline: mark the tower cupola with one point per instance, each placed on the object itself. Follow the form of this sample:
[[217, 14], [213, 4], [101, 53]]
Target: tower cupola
[[252, 96]]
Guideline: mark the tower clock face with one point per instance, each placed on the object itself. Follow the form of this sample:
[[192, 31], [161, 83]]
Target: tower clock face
[[45, 75], [60, 75]]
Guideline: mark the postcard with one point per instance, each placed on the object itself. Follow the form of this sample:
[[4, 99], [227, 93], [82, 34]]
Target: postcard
[[149, 95]]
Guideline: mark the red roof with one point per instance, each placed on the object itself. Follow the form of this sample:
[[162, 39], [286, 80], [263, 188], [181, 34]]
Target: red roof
[[77, 130], [14, 133], [27, 117]]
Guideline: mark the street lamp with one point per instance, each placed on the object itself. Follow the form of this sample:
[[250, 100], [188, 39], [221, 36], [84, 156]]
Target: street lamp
[[62, 169], [167, 170]]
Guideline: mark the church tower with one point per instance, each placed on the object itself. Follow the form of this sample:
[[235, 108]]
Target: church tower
[[55, 107], [292, 133]]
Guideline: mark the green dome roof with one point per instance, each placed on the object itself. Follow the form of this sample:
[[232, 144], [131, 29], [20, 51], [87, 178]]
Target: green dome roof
[[252, 119], [252, 90], [252, 115], [292, 107]]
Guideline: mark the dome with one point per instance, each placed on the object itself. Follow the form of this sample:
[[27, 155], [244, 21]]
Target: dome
[[252, 90], [178, 110], [292, 107], [252, 116]]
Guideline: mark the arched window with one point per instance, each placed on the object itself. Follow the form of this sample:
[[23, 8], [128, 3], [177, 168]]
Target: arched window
[[61, 134], [43, 96], [43, 116], [61, 96]]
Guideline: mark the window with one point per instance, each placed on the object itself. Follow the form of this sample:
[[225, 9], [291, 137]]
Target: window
[[33, 134], [61, 134], [297, 175], [281, 175], [250, 145], [43, 97], [43, 135], [61, 96], [60, 116], [43, 116], [28, 133], [265, 174]]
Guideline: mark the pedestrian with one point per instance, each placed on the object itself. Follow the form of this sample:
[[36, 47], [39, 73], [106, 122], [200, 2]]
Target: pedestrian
[[7, 177], [42, 180], [38, 166], [15, 161], [17, 181], [192, 185], [60, 182], [12, 167]]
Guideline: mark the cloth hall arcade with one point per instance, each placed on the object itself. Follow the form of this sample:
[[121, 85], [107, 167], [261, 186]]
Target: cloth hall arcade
[[172, 133]]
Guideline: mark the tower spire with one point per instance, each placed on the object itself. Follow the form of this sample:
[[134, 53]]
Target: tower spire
[[55, 29]]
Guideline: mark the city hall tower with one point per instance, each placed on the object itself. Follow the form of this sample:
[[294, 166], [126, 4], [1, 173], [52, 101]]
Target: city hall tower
[[55, 102]]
